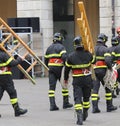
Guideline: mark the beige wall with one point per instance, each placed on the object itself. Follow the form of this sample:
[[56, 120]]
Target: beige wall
[[8, 9]]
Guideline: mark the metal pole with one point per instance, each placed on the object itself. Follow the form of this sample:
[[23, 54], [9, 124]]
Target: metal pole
[[113, 17]]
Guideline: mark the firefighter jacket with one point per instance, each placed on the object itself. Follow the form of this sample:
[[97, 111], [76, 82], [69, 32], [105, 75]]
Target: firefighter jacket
[[103, 57], [79, 62], [116, 54], [7, 62], [55, 57], [118, 37], [111, 50]]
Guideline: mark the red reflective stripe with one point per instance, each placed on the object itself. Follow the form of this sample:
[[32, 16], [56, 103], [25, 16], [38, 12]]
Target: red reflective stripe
[[80, 71], [77, 72], [5, 69], [100, 63], [55, 60], [118, 61]]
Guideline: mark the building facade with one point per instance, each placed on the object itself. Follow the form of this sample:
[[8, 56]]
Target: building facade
[[103, 16]]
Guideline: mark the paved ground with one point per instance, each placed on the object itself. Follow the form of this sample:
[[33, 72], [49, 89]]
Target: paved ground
[[35, 99]]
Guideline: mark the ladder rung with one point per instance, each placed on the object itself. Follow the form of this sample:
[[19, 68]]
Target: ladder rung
[[32, 65], [15, 47], [6, 39], [25, 54]]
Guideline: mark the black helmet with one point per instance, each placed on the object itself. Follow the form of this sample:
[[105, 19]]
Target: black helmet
[[77, 42], [102, 38], [114, 41], [58, 37]]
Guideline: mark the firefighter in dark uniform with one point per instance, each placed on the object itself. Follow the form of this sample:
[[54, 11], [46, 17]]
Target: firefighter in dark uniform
[[114, 43], [116, 59], [54, 58], [79, 61], [103, 62], [6, 82]]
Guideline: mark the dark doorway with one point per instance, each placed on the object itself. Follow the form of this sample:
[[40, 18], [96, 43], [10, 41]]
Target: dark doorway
[[63, 17]]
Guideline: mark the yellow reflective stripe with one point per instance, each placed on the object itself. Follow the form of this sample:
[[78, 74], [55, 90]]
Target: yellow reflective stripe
[[64, 90], [7, 72], [78, 75], [117, 55], [94, 95], [93, 58], [109, 98], [108, 94], [81, 65], [113, 53], [78, 66], [107, 54], [13, 101], [7, 62], [51, 93], [64, 51], [55, 64], [87, 105], [78, 106], [100, 57], [68, 65], [94, 99], [100, 66], [65, 94], [52, 55]]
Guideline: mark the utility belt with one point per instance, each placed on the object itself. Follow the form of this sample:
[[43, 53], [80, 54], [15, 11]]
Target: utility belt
[[56, 60], [100, 63], [81, 71], [5, 70]]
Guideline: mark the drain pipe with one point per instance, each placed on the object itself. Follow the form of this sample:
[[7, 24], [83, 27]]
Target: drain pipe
[[113, 17]]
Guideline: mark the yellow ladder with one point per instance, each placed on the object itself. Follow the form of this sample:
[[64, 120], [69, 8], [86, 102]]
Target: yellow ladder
[[6, 29], [85, 33], [84, 29]]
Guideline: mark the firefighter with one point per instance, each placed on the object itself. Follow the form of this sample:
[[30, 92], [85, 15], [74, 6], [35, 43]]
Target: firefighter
[[116, 58], [103, 62], [114, 43], [6, 82], [79, 61], [54, 58]]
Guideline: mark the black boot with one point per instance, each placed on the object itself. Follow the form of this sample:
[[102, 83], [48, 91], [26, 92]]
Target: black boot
[[113, 95], [117, 91], [19, 111], [53, 106], [66, 103], [85, 114], [79, 117], [95, 107], [110, 106]]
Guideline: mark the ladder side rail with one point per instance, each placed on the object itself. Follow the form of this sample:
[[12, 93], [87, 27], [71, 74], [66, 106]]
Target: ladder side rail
[[24, 44], [19, 66]]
